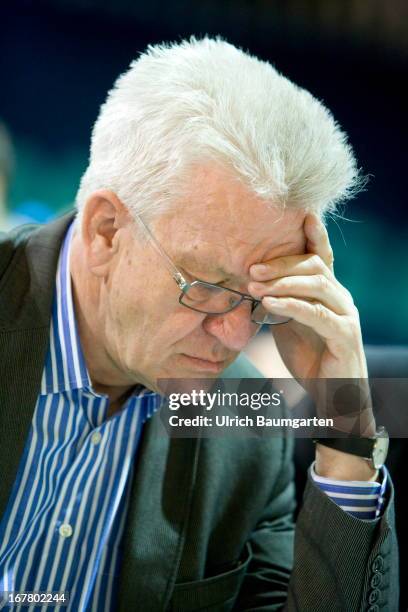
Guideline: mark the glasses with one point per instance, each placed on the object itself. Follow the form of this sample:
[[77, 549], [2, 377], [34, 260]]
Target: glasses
[[209, 298]]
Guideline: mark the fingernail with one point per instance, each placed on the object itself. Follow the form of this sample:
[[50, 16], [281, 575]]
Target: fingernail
[[258, 269]]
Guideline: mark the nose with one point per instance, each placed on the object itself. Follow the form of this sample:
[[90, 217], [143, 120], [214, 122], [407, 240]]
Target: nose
[[233, 329]]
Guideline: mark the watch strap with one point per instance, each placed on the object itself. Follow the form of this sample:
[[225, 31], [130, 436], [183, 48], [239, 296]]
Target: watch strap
[[362, 447]]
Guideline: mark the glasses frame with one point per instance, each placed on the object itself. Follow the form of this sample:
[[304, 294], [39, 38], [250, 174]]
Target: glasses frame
[[184, 285]]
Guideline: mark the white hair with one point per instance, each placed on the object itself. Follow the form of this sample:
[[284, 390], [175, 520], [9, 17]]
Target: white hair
[[205, 100]]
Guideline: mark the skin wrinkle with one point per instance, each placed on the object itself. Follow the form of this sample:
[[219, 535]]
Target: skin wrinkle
[[131, 325], [193, 263]]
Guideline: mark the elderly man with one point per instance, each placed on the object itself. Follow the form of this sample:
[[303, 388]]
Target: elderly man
[[199, 218]]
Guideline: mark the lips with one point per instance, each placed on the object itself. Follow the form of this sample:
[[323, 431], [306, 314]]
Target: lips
[[204, 365], [205, 359]]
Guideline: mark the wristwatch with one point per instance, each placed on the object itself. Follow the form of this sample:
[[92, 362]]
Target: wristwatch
[[373, 449]]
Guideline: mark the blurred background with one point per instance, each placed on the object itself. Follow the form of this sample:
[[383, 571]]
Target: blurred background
[[58, 58]]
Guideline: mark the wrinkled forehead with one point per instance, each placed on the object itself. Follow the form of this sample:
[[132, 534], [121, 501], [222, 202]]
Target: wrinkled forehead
[[220, 218], [230, 239]]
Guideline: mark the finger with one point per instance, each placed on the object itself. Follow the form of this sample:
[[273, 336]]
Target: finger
[[322, 320], [313, 288], [291, 265], [318, 240]]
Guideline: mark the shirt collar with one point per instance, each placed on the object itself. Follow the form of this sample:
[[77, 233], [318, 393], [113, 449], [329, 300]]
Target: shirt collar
[[65, 367]]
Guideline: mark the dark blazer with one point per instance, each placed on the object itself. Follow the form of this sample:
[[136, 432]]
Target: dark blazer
[[210, 524]]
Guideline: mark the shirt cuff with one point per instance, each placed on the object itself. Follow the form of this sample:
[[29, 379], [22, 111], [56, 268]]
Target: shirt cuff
[[361, 499]]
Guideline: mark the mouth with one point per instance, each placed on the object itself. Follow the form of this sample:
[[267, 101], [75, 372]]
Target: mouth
[[205, 365]]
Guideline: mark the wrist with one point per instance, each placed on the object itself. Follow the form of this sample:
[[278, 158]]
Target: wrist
[[336, 464]]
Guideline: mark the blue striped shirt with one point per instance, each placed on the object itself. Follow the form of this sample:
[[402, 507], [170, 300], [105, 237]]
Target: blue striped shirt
[[65, 517], [361, 499]]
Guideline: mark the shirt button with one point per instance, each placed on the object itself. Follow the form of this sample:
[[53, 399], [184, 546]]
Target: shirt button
[[96, 437], [65, 530]]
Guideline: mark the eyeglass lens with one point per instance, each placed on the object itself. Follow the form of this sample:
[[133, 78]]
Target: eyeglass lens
[[219, 300]]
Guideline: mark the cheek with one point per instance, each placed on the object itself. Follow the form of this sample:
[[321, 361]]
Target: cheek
[[180, 325], [142, 289], [144, 303], [149, 309]]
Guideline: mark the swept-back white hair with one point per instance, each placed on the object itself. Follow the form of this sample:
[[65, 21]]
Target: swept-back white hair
[[205, 100]]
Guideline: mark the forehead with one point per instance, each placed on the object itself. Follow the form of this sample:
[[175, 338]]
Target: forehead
[[220, 224]]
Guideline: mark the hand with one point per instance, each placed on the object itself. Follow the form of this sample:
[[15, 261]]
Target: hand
[[323, 340]]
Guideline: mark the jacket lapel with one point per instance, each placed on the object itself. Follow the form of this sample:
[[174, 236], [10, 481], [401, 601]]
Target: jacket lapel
[[26, 293]]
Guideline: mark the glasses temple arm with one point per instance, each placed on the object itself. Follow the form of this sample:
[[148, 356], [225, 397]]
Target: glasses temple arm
[[176, 274]]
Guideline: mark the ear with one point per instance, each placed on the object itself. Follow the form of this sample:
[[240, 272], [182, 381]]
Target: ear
[[103, 216]]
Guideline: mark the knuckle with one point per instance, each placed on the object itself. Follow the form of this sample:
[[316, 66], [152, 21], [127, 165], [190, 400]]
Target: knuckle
[[315, 262], [322, 281], [321, 312], [354, 330], [352, 320], [349, 298], [355, 327], [330, 256], [283, 284]]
